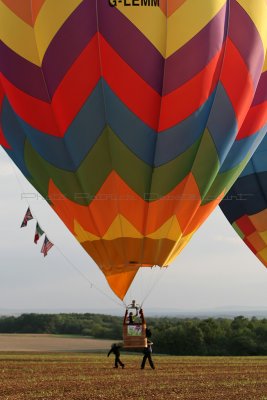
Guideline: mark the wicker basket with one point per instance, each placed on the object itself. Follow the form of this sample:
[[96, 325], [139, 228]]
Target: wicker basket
[[134, 336]]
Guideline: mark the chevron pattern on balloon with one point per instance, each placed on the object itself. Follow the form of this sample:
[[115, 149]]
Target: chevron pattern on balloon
[[245, 206], [133, 122]]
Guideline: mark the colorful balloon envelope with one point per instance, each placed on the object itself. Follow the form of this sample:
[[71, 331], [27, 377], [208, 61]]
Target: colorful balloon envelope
[[132, 120], [245, 206]]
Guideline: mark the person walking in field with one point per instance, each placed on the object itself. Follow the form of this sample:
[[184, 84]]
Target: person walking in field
[[115, 349], [147, 355]]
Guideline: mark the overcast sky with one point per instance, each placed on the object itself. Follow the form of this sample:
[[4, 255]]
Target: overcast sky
[[215, 270]]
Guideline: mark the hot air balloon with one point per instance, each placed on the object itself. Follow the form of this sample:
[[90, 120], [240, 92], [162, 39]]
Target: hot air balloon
[[245, 206], [132, 120]]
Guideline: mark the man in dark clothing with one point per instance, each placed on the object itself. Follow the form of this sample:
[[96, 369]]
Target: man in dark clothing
[[131, 319], [115, 349], [147, 355]]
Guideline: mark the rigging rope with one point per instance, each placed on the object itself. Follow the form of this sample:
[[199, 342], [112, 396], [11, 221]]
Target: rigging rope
[[92, 285], [153, 286]]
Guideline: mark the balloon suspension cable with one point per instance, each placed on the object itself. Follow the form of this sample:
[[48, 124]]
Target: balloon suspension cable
[[153, 285], [92, 285]]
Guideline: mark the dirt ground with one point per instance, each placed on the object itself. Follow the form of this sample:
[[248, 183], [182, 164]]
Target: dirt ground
[[48, 343], [72, 376]]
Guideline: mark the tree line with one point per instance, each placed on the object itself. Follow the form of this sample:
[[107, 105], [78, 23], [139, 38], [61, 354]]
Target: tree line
[[212, 336]]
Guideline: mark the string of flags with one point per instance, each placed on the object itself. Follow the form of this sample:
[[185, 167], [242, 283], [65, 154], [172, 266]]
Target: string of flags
[[47, 244]]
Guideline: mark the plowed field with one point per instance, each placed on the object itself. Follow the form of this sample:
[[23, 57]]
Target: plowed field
[[84, 376]]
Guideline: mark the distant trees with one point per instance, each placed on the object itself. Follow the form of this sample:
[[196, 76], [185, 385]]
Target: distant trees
[[93, 325], [239, 336]]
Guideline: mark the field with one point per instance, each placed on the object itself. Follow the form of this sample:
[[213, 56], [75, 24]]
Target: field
[[50, 343], [83, 376]]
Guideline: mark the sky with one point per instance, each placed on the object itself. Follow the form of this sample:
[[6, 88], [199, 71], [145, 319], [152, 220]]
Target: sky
[[215, 271]]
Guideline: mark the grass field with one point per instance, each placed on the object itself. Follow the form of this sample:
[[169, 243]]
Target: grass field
[[73, 376]]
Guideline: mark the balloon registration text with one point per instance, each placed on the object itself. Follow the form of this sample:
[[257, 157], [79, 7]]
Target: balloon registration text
[[134, 3]]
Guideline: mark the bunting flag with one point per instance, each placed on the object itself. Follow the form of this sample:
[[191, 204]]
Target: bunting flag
[[47, 245], [38, 233], [28, 216]]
